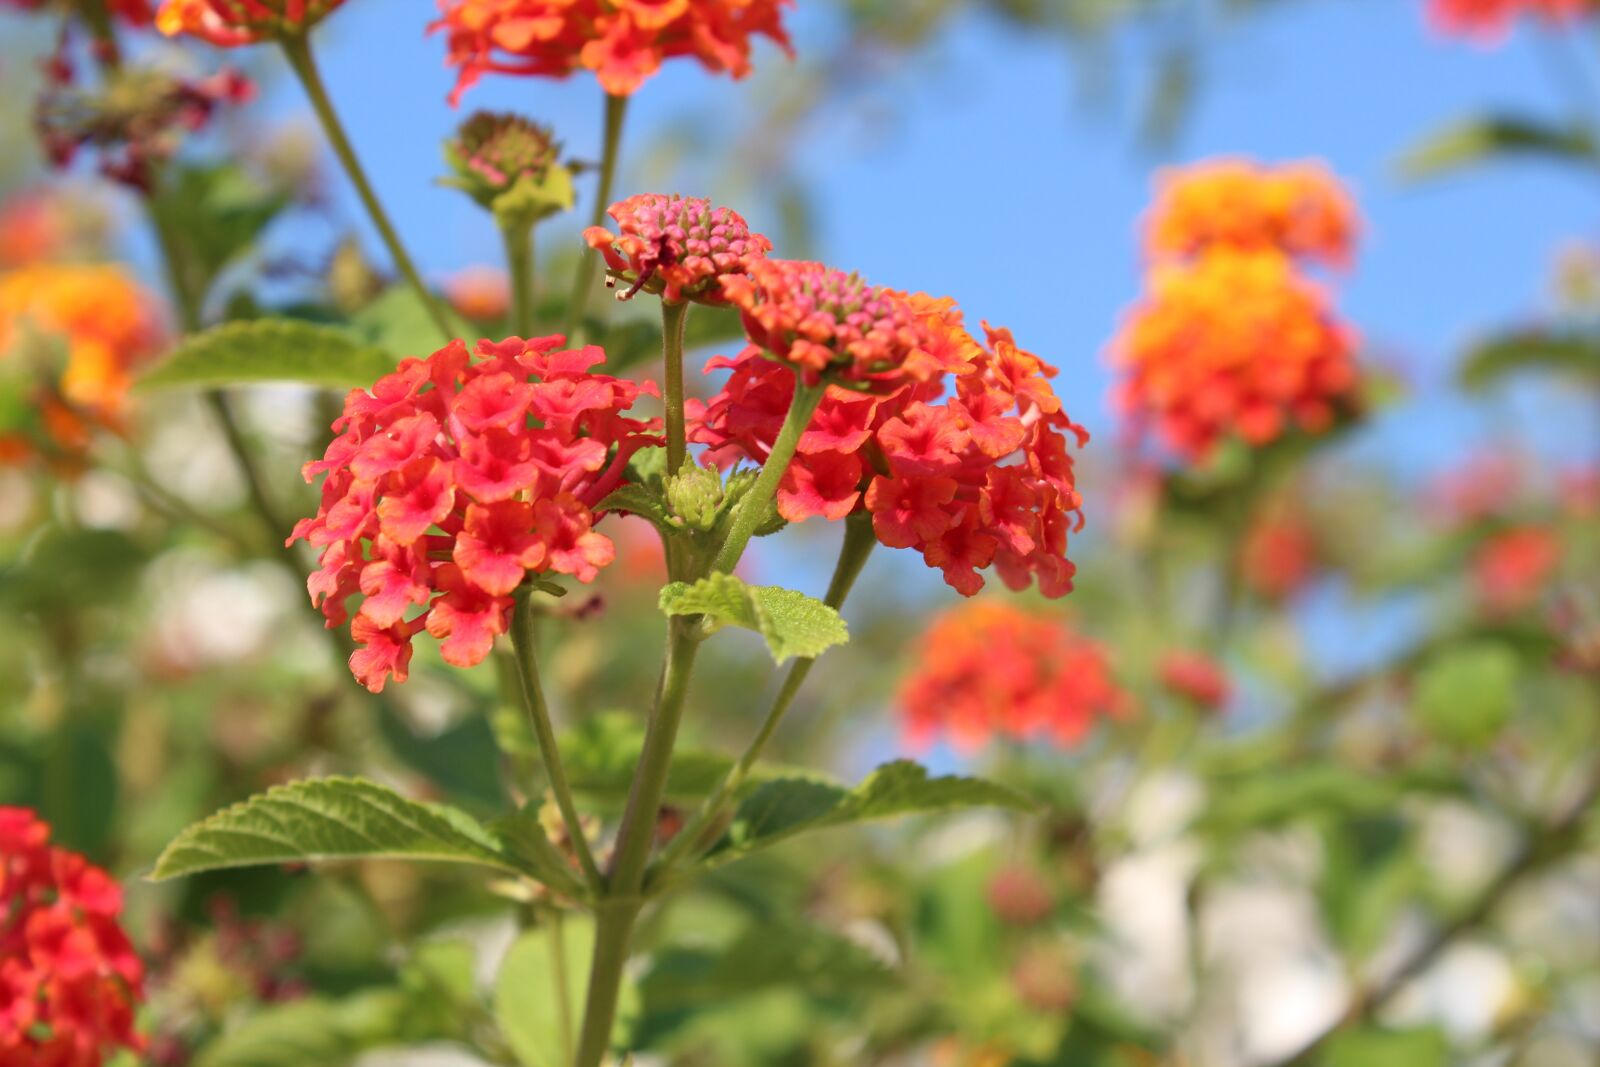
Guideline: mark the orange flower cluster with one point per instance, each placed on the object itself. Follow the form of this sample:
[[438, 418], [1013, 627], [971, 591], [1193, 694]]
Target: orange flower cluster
[[1488, 20], [69, 979], [987, 669], [680, 247], [1298, 208], [109, 325], [1231, 338], [623, 41], [232, 23]]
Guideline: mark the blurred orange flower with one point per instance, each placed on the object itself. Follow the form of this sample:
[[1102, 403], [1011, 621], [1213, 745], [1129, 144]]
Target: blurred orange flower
[[1511, 568], [1488, 20], [231, 23], [1300, 209], [481, 293], [623, 41], [987, 669], [108, 324], [1279, 555]]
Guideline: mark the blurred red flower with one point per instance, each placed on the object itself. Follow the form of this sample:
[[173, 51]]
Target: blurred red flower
[[1279, 555], [70, 981], [1489, 20], [1512, 567], [231, 23], [1197, 677]]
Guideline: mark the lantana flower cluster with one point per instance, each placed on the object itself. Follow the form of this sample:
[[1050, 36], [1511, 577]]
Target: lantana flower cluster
[[233, 23], [1231, 337], [70, 981], [108, 326], [989, 670], [454, 479], [680, 247], [1489, 20], [623, 42], [957, 449], [1512, 569]]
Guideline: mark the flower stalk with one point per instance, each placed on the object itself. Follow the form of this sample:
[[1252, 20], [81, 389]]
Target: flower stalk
[[755, 507], [674, 316]]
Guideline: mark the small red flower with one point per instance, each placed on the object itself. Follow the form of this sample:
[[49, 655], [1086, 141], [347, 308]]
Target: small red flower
[[455, 478], [1279, 556], [1513, 567], [969, 465], [623, 41], [987, 669], [1489, 20], [231, 23], [70, 981], [676, 246], [1195, 677]]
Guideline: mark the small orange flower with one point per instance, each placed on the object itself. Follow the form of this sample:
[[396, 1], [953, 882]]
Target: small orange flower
[[108, 324], [987, 669], [623, 41], [1234, 343], [480, 293], [231, 23], [1299, 209]]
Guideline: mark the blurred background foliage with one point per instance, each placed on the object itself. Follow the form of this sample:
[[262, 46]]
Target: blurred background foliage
[[1389, 866]]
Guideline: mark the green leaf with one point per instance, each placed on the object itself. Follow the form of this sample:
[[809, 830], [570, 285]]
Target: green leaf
[[397, 321], [783, 808], [1465, 694], [215, 215], [1473, 141], [792, 623], [527, 1002], [1576, 356], [333, 819], [524, 836], [643, 501], [271, 350], [329, 1033], [1372, 1047]]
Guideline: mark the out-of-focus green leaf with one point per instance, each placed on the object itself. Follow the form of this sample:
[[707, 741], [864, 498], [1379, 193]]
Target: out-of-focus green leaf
[[783, 808], [793, 624], [397, 321], [72, 568], [1576, 356], [462, 758], [1272, 796], [524, 836], [1372, 1047], [329, 1033], [1482, 139], [1464, 695], [1368, 875], [271, 350], [214, 213], [528, 1003], [331, 819]]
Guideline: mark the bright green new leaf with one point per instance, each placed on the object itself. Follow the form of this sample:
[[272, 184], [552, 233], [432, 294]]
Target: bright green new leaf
[[786, 807], [1465, 695], [528, 1003], [271, 350], [333, 819], [792, 623], [1474, 141], [1372, 1047], [329, 1033]]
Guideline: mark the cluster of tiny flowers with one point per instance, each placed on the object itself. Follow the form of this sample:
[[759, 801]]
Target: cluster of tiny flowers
[[680, 247], [69, 979], [109, 326], [1231, 338], [1488, 20], [1297, 208], [623, 41], [988, 670], [1513, 567], [455, 478], [232, 23], [497, 148], [973, 474], [1196, 677]]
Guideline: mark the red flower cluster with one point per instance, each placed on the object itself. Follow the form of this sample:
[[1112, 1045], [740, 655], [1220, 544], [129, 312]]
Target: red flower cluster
[[989, 669], [1197, 677], [1231, 338], [454, 479], [1297, 208], [1512, 568], [680, 247], [1278, 556], [231, 23], [929, 463], [69, 979], [1488, 20], [622, 41]]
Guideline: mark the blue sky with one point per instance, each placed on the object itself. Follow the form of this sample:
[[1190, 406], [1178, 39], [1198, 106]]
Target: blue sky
[[978, 169]]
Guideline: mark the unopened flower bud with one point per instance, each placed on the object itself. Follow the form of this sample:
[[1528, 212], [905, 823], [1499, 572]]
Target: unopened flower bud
[[510, 165]]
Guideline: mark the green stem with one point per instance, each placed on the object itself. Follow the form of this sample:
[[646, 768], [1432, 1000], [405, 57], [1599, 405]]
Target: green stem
[[619, 907], [588, 263], [674, 316], [539, 715], [754, 509], [297, 50], [519, 261], [859, 541], [558, 963]]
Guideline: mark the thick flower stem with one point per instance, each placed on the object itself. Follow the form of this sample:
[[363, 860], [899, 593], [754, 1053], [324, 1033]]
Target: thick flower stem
[[673, 318], [522, 640], [859, 540], [518, 238], [754, 509], [583, 282], [618, 907], [297, 50]]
